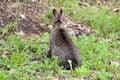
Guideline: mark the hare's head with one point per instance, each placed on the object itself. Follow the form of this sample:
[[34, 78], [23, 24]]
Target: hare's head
[[57, 17]]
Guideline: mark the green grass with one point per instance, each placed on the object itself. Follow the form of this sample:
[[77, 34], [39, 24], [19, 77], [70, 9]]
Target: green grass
[[23, 58], [26, 57], [99, 17]]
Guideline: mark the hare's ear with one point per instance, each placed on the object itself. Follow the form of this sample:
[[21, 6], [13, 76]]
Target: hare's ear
[[54, 12], [61, 11]]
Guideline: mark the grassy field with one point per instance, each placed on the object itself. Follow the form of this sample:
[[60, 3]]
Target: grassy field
[[23, 58]]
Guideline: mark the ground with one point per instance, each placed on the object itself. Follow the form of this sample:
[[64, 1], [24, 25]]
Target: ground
[[29, 18], [24, 39]]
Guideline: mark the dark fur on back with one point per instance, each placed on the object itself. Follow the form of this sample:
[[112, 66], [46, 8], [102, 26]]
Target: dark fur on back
[[62, 46]]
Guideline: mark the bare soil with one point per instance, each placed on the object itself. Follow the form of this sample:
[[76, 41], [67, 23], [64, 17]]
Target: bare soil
[[28, 14], [28, 17]]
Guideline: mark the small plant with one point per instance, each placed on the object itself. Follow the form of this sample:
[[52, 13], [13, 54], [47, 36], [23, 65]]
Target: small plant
[[47, 18], [70, 63], [83, 72], [104, 75], [10, 28], [17, 59]]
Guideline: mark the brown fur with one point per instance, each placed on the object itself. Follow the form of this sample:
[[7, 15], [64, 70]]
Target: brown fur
[[62, 45]]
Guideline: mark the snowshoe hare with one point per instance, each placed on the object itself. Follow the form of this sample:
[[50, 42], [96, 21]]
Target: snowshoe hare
[[61, 44]]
